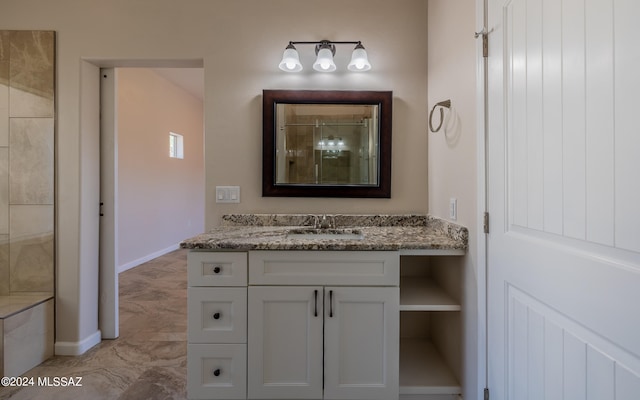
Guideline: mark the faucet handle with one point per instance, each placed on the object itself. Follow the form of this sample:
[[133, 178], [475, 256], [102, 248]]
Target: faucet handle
[[316, 221], [334, 225]]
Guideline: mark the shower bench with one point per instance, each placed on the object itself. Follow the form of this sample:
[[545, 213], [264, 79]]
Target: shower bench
[[26, 330]]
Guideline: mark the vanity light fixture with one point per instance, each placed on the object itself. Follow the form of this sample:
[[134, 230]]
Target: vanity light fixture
[[331, 142], [290, 59], [325, 50]]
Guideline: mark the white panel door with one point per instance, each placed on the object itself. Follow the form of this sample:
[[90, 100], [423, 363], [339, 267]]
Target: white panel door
[[361, 343], [564, 199], [284, 342]]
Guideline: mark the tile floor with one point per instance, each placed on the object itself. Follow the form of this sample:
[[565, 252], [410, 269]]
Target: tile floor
[[148, 360]]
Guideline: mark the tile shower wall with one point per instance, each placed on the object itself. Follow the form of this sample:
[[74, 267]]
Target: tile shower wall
[[26, 161]]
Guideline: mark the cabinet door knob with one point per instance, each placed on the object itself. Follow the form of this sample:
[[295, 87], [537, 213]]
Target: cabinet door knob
[[217, 269], [217, 372], [216, 315]]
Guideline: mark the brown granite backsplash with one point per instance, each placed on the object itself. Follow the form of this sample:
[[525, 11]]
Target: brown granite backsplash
[[439, 226]]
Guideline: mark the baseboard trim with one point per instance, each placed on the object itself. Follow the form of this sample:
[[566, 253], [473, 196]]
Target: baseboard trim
[[148, 257], [77, 348]]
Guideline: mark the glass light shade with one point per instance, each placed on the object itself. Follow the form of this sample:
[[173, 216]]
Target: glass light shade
[[324, 61], [359, 60], [290, 60]]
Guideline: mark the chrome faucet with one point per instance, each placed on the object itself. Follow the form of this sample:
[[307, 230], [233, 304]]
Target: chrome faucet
[[325, 223], [319, 222]]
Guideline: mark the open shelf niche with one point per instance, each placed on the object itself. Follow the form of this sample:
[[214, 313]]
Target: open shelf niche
[[430, 325]]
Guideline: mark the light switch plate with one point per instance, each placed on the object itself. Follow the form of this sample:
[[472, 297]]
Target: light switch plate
[[227, 194]]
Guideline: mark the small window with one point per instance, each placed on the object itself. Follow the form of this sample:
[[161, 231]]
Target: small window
[[176, 145]]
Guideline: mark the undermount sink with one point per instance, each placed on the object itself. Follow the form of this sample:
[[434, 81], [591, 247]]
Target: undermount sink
[[329, 233]]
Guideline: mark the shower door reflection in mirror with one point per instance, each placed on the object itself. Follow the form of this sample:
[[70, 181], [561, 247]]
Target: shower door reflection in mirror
[[327, 144]]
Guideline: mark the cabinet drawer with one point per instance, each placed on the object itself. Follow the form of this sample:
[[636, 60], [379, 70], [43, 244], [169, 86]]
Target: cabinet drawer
[[338, 268], [217, 371], [217, 315], [208, 268]]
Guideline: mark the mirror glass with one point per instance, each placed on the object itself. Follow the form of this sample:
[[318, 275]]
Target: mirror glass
[[327, 143]]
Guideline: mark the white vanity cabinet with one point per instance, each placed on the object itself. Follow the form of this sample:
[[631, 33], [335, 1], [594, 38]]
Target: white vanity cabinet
[[300, 334], [319, 328], [306, 324]]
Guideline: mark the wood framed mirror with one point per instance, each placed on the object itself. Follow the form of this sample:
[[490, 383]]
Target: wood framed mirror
[[324, 143]]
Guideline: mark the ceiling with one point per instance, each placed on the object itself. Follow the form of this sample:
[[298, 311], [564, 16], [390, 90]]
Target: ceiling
[[190, 79]]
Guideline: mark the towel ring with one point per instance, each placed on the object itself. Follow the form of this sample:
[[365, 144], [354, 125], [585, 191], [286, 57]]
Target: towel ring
[[443, 104]]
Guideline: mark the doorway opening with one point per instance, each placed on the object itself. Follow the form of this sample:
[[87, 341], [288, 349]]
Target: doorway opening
[[150, 201]]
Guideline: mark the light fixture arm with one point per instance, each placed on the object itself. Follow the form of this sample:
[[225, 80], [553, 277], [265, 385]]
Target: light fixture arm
[[327, 42]]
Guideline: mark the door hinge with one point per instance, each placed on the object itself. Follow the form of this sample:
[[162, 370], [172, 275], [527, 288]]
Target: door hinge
[[485, 45], [486, 393], [485, 41], [485, 222]]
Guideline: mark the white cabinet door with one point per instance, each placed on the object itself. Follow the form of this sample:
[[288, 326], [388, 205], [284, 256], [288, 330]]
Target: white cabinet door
[[285, 342], [361, 343]]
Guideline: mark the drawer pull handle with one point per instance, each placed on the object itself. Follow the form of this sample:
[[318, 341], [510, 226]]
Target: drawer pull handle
[[217, 372], [330, 303], [315, 303], [216, 315], [217, 269]]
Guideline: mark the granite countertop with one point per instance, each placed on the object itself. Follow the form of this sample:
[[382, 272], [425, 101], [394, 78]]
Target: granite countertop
[[381, 232]]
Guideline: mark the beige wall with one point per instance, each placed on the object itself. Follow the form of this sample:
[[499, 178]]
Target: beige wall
[[453, 161], [394, 35], [160, 199]]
